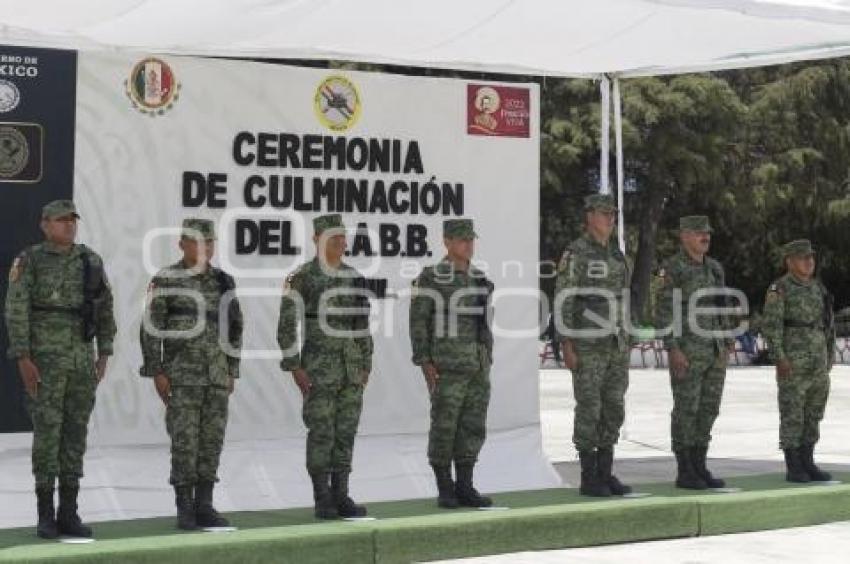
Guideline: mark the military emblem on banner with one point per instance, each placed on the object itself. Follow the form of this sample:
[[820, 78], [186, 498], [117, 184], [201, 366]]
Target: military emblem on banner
[[20, 152], [10, 96], [337, 103], [152, 86]]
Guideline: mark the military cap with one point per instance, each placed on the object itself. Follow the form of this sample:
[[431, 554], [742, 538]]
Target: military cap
[[458, 229], [325, 222], [695, 223], [800, 247], [58, 208], [193, 226], [600, 202]]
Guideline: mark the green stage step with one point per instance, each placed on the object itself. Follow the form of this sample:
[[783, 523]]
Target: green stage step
[[416, 530]]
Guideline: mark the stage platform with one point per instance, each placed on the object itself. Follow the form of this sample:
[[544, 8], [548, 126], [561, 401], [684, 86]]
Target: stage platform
[[416, 530]]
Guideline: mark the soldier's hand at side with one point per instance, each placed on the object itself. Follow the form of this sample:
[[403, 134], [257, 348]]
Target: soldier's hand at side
[[163, 387], [570, 356], [678, 363], [432, 377], [783, 368], [231, 384], [302, 380], [100, 367], [30, 376], [364, 377]]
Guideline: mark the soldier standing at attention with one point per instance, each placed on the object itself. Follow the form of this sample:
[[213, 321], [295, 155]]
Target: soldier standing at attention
[[593, 272], [798, 326], [58, 302], [192, 370], [452, 342], [332, 368], [697, 362]]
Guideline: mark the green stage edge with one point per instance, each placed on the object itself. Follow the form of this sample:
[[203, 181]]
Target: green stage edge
[[416, 530]]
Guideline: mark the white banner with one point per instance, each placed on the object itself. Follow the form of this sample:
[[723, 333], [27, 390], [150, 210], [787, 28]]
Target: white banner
[[262, 149]]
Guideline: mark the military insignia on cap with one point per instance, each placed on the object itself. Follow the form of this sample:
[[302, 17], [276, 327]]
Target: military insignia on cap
[[565, 260]]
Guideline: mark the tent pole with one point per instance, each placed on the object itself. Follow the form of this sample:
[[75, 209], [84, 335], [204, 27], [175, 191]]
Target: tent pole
[[618, 141], [605, 134]]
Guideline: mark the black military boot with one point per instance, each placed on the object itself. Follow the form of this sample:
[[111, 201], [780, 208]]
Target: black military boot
[[795, 472], [205, 513], [807, 458], [345, 506], [445, 487], [591, 484], [325, 507], [67, 519], [465, 492], [686, 475], [185, 508], [46, 528], [699, 455], [604, 464]]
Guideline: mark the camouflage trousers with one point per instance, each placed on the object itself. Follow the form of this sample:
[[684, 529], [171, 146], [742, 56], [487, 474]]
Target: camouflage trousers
[[696, 398], [60, 416], [599, 387], [196, 419], [802, 401], [459, 416], [332, 413]]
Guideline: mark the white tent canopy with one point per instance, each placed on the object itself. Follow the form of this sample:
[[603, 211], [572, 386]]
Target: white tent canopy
[[576, 38]]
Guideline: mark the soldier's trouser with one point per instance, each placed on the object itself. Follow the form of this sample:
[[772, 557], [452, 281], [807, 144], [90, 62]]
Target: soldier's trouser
[[459, 416], [696, 398], [196, 419], [802, 401], [599, 387], [331, 413], [60, 416]]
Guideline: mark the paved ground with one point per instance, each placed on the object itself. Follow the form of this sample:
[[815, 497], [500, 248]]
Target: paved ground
[[745, 442]]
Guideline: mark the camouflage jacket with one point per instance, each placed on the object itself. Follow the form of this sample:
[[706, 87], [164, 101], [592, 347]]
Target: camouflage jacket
[[306, 291], [450, 313], [48, 297], [683, 273], [588, 266], [176, 296], [798, 319]]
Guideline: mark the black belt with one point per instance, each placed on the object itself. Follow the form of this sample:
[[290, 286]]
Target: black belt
[[212, 316], [802, 324], [68, 310]]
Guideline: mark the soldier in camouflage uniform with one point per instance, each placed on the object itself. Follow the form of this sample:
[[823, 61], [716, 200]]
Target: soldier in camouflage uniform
[[452, 342], [191, 351], [328, 298], [592, 278], [798, 326], [58, 302], [697, 363]]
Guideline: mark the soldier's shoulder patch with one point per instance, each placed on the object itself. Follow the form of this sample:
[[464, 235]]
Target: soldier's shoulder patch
[[774, 293], [564, 262], [18, 267]]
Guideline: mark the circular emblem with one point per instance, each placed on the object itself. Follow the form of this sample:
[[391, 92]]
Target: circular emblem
[[10, 96], [14, 152], [152, 87], [337, 103]]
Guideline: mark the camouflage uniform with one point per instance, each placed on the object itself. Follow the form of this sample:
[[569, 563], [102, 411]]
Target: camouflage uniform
[[602, 376], [198, 367], [462, 356], [54, 298], [797, 326], [697, 395], [335, 364]]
